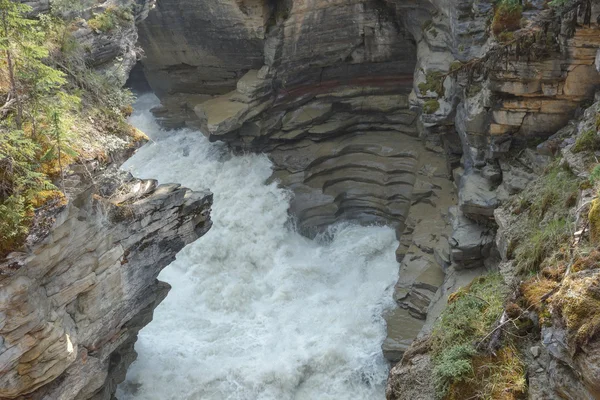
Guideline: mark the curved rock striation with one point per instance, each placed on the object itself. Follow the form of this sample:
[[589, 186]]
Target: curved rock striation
[[72, 305], [350, 98]]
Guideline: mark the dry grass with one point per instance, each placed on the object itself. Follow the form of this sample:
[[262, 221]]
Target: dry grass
[[534, 289], [577, 304], [496, 377], [588, 261]]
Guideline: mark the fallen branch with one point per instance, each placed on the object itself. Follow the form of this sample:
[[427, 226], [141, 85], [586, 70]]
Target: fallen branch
[[6, 107]]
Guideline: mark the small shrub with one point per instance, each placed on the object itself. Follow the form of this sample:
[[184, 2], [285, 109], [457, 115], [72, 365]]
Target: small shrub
[[469, 317], [506, 37], [102, 22], [15, 217], [431, 106], [587, 141], [453, 365], [507, 17], [110, 19], [495, 376]]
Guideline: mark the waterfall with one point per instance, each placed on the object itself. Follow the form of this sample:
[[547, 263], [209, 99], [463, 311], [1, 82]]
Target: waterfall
[[258, 311]]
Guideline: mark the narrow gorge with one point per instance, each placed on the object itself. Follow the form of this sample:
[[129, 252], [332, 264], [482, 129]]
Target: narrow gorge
[[351, 199]]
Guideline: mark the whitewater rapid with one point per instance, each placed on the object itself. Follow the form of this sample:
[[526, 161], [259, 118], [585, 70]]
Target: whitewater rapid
[[256, 310]]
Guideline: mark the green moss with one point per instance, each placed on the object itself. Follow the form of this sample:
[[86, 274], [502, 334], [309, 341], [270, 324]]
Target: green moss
[[587, 141], [505, 37], [110, 19], [433, 83], [469, 317], [594, 218], [578, 305], [455, 66], [431, 106]]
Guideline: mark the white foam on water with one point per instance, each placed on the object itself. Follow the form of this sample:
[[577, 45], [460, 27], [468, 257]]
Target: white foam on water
[[258, 311]]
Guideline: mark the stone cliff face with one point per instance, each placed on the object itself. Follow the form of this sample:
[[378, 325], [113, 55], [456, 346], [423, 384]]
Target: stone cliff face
[[318, 75], [368, 109], [73, 303], [73, 300]]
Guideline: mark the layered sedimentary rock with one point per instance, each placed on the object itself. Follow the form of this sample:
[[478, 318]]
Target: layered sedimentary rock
[[74, 298], [71, 305], [346, 96], [322, 86], [423, 254]]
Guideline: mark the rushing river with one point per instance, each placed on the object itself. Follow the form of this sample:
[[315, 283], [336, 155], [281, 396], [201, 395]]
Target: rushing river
[[257, 311]]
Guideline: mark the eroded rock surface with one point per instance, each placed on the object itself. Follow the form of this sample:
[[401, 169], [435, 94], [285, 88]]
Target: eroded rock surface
[[72, 304], [350, 98], [423, 254]]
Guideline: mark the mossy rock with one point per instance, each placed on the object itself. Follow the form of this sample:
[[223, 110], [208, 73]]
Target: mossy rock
[[577, 303], [434, 82], [431, 106], [587, 141], [594, 218]]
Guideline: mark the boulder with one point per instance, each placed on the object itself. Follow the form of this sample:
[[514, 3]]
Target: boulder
[[476, 196], [470, 242]]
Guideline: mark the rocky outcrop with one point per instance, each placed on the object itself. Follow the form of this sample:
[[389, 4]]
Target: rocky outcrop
[[423, 254], [322, 86], [73, 300], [352, 98], [412, 376], [560, 348], [72, 303]]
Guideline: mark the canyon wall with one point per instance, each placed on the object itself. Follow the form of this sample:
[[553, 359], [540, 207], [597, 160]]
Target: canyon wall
[[74, 297], [370, 109], [73, 303], [400, 112]]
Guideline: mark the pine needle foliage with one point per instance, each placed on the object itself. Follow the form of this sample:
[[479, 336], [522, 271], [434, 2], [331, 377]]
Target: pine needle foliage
[[47, 89]]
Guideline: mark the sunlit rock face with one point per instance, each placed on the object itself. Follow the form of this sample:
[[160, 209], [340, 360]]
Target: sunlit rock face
[[72, 304], [340, 93], [322, 86]]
